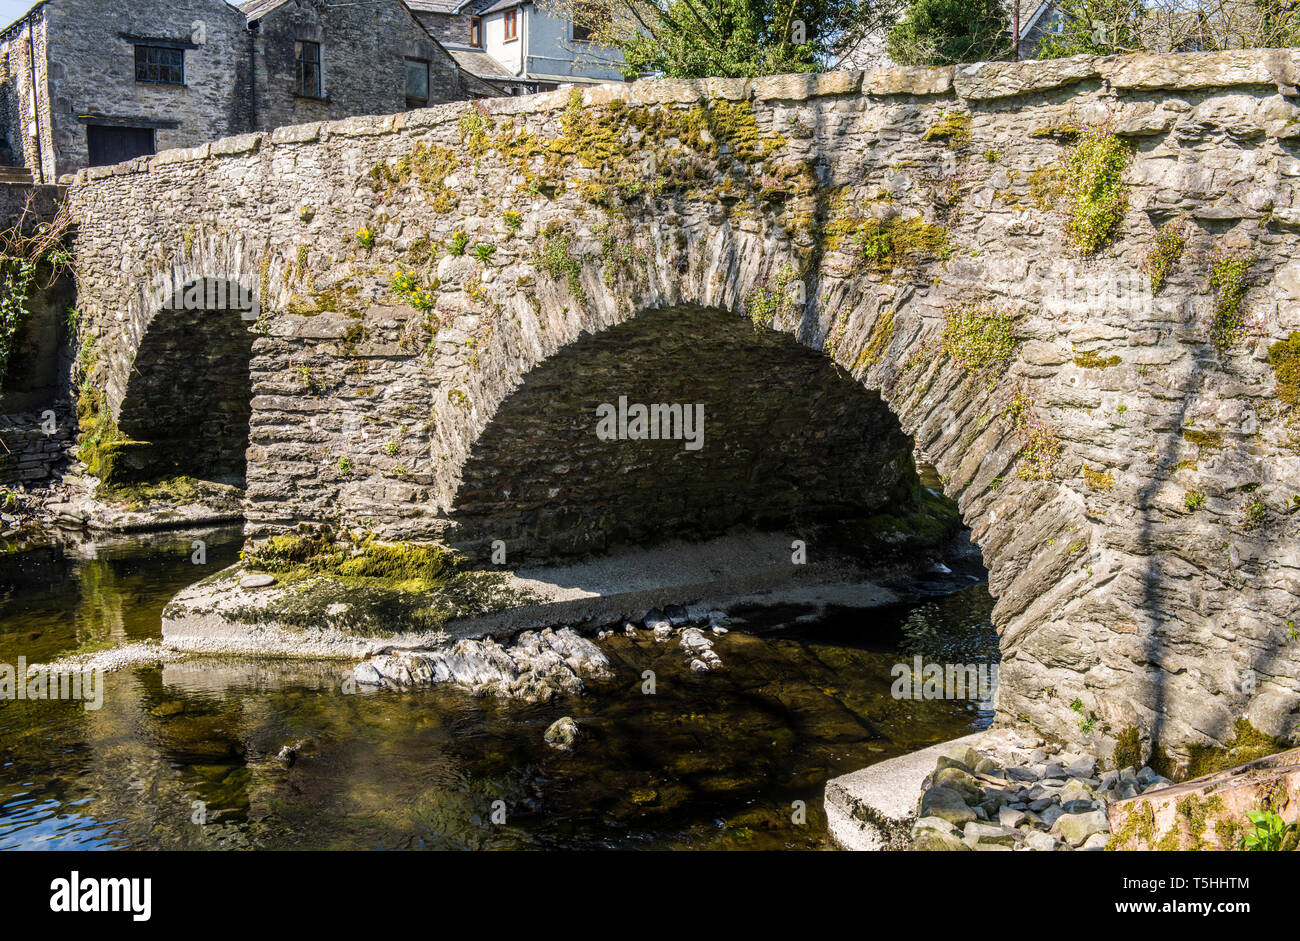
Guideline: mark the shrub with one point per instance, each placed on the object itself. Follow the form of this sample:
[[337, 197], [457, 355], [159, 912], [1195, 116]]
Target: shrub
[[945, 32]]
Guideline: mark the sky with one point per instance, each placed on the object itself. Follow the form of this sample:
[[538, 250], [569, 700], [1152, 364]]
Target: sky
[[10, 10]]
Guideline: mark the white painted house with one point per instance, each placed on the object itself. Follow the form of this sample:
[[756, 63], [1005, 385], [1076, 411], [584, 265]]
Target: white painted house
[[518, 45]]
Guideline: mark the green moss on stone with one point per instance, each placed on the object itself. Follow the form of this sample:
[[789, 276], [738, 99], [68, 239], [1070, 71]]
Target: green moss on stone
[[1284, 357], [1248, 744]]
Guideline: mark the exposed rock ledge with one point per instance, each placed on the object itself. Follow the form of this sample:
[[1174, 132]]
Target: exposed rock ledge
[[538, 666]]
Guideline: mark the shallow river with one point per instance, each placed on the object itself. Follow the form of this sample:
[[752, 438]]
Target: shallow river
[[185, 756]]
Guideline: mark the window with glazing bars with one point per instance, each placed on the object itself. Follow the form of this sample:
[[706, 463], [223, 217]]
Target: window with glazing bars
[[307, 55], [160, 65]]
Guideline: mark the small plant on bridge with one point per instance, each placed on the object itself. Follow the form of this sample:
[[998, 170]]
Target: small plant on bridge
[[459, 242], [366, 237], [1194, 499], [406, 285], [980, 338], [484, 253], [1230, 279], [1170, 242], [556, 257], [1092, 179], [1040, 448], [767, 302], [512, 219], [1255, 516]]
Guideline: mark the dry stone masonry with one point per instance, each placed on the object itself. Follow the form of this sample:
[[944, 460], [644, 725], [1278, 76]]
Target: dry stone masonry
[[977, 245]]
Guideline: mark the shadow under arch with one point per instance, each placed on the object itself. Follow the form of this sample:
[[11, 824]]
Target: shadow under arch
[[788, 442], [187, 404]]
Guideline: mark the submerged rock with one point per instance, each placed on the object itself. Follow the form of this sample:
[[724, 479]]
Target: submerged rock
[[539, 665], [562, 734], [699, 650]]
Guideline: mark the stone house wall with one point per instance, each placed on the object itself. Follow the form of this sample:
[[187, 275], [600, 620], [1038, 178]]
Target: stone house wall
[[363, 49], [25, 87], [91, 58], [1131, 487]]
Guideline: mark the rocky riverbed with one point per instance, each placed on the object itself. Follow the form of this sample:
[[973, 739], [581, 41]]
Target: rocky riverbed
[[1015, 791]]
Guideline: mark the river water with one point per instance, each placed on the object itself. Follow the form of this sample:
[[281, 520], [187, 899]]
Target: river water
[[185, 756]]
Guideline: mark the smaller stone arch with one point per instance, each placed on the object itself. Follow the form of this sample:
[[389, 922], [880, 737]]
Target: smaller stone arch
[[186, 403]]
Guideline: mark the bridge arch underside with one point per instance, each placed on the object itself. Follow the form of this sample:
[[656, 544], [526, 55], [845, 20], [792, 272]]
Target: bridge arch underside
[[745, 428], [187, 403]]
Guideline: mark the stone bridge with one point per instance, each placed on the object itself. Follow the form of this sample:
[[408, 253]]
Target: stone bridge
[[408, 321]]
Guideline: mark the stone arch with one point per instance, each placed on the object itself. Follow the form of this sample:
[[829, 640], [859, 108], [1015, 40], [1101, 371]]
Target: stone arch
[[186, 404], [1047, 565], [743, 427]]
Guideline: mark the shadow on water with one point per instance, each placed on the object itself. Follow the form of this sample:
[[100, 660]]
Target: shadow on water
[[194, 755]]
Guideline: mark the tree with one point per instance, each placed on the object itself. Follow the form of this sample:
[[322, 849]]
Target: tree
[[1106, 27], [944, 32], [1098, 27], [727, 38]]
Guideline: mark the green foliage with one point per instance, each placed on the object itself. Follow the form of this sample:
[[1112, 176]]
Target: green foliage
[[459, 242], [946, 32], [1267, 831], [727, 38], [1040, 453], [1096, 27], [484, 252], [1284, 357], [345, 466], [1092, 181], [980, 338], [556, 257], [1171, 239], [1255, 515], [766, 302], [31, 258], [16, 277], [1194, 499], [1230, 279], [366, 237], [1040, 449], [512, 219], [406, 284]]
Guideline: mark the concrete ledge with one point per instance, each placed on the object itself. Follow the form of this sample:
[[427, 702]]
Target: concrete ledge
[[874, 809]]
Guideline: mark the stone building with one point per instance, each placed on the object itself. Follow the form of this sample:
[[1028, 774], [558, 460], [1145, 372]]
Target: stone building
[[80, 86]]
